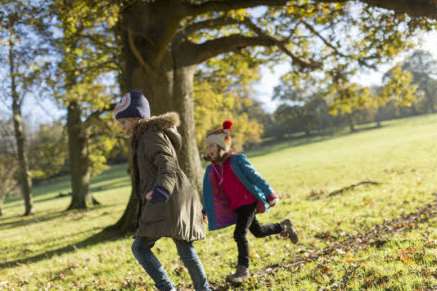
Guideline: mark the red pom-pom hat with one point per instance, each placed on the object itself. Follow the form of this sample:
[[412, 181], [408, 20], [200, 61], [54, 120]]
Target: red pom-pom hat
[[222, 136]]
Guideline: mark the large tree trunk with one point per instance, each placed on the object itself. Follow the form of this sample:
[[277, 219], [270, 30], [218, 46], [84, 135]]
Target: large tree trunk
[[168, 85], [81, 198], [378, 118], [430, 96], [350, 120], [189, 156], [24, 177], [23, 165]]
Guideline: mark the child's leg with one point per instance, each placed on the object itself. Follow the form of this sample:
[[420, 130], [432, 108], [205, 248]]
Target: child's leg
[[259, 230], [192, 263], [141, 249], [245, 216]]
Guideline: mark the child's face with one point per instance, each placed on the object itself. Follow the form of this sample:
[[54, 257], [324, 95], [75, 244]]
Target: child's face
[[214, 152], [128, 124]]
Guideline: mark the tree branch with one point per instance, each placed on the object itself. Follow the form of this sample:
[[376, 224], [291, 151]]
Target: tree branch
[[206, 24], [147, 67], [281, 45], [322, 38], [212, 48], [414, 8], [227, 5], [234, 42], [97, 113]]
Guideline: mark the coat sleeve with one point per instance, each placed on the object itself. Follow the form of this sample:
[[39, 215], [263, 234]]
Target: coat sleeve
[[159, 152], [205, 192], [254, 177]]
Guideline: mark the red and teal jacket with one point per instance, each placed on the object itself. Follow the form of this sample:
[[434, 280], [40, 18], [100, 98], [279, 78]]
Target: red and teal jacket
[[217, 204]]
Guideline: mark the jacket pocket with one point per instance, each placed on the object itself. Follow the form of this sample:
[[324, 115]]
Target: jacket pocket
[[153, 213]]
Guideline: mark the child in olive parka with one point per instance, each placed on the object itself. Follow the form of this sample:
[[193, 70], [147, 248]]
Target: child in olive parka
[[169, 205]]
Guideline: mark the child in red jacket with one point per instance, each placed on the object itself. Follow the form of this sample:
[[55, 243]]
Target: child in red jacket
[[233, 193]]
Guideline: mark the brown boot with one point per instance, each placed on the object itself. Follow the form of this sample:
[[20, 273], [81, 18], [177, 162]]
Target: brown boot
[[288, 231], [240, 275]]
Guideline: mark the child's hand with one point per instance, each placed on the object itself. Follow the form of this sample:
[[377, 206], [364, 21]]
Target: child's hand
[[273, 199], [149, 196], [273, 202], [204, 217]]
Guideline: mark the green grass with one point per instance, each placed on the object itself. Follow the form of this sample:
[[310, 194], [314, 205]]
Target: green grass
[[402, 156]]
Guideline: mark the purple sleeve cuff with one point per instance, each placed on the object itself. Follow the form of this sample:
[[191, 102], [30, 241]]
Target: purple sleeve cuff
[[160, 194]]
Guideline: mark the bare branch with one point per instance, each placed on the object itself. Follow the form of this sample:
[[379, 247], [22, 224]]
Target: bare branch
[[227, 5]]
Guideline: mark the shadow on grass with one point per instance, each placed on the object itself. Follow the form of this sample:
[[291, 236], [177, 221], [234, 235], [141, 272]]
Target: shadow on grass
[[93, 190], [62, 184], [107, 235], [110, 186], [27, 220], [51, 186]]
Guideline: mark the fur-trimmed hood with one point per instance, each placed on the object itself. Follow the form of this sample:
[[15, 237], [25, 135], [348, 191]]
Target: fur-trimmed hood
[[167, 122], [164, 121]]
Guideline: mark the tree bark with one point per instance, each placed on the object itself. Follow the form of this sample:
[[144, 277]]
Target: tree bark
[[414, 111], [189, 156], [81, 198], [430, 96], [378, 117], [414, 8], [350, 120], [25, 180], [24, 177]]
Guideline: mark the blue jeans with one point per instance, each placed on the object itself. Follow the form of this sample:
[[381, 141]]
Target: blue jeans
[[141, 249]]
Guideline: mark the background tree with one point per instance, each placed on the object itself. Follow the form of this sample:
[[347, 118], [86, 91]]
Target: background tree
[[398, 88], [422, 65], [8, 161], [23, 52], [346, 99], [223, 90], [85, 60], [302, 108], [47, 151]]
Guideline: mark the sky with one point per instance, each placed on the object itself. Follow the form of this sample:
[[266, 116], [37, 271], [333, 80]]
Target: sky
[[270, 79], [39, 111]]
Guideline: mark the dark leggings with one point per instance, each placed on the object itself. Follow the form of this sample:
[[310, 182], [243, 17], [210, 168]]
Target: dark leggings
[[246, 220]]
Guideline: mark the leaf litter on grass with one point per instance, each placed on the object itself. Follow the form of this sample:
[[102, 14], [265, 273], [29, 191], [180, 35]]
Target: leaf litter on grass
[[352, 243]]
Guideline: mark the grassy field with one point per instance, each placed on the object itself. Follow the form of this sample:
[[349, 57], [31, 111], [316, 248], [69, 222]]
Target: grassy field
[[359, 239]]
